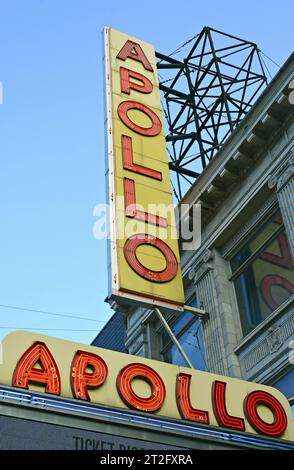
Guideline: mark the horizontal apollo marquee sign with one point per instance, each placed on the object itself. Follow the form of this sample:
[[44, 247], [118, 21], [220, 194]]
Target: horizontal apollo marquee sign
[[145, 262], [100, 376]]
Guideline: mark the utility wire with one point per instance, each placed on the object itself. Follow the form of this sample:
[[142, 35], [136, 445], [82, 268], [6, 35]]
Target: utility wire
[[181, 47], [266, 67], [43, 312], [277, 65]]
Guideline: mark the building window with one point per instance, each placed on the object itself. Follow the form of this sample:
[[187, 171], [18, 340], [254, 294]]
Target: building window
[[263, 273], [286, 386], [188, 331]]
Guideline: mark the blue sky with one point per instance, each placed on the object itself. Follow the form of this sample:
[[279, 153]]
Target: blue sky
[[52, 140]]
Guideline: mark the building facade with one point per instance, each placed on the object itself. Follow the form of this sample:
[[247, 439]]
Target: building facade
[[55, 394], [242, 273]]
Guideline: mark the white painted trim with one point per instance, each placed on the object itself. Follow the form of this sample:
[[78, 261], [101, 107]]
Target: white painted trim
[[111, 165]]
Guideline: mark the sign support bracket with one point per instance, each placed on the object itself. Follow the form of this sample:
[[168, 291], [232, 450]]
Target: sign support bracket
[[202, 314], [173, 337]]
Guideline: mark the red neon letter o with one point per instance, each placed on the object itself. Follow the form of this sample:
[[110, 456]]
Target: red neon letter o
[[124, 385], [130, 247], [263, 398], [123, 109]]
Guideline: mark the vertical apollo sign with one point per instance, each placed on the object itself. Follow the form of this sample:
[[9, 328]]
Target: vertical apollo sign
[[144, 252]]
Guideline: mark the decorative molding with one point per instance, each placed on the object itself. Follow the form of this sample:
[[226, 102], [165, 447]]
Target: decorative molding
[[286, 176], [249, 226], [208, 255], [201, 266], [274, 339], [288, 328], [269, 344], [263, 327], [255, 355], [283, 173], [201, 270], [191, 273]]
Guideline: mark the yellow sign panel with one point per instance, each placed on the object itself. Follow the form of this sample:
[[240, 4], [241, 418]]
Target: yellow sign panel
[[101, 376], [144, 250]]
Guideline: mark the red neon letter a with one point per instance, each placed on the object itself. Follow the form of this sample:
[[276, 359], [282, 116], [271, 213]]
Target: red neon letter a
[[26, 370], [134, 51]]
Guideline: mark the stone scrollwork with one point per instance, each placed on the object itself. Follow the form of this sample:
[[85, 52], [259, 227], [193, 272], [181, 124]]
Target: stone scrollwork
[[191, 273], [272, 182], [200, 268], [285, 177], [207, 255], [274, 339], [283, 174]]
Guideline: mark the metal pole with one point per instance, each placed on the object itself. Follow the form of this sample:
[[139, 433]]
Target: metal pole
[[172, 337], [198, 311]]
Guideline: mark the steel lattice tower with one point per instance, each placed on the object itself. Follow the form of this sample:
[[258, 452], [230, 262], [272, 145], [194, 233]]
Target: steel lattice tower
[[206, 95]]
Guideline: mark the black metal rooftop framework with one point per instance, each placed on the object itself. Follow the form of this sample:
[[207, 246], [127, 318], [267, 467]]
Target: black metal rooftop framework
[[206, 95]]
